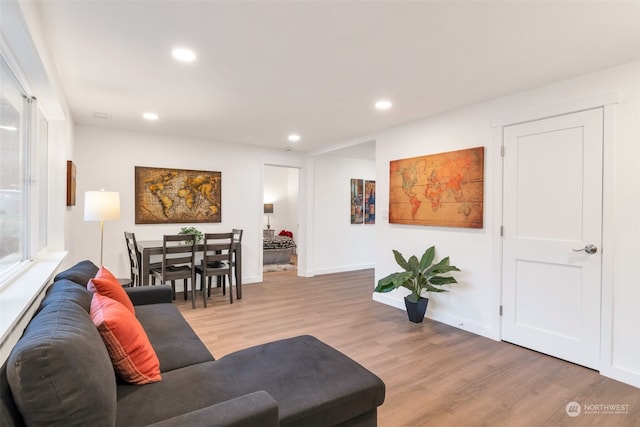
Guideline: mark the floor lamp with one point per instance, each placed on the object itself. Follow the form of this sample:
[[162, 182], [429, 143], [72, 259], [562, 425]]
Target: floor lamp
[[101, 206]]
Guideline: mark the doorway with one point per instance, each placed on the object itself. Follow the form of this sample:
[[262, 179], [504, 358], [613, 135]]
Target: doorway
[[552, 236], [281, 219]]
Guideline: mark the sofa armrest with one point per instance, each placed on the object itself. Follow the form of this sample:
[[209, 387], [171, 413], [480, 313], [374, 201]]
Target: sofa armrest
[[257, 409], [141, 295]]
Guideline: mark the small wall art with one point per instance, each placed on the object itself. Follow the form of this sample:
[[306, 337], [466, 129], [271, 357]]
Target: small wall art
[[445, 189], [369, 202], [71, 183], [177, 196], [357, 198]]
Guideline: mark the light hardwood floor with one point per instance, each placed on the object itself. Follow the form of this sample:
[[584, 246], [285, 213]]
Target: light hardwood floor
[[434, 374]]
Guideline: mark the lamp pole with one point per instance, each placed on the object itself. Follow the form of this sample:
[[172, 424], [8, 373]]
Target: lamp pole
[[101, 206]]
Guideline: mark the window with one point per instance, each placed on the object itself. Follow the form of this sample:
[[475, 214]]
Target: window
[[23, 175]]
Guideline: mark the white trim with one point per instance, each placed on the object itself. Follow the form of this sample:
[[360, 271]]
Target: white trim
[[260, 220], [455, 321], [306, 198], [607, 367], [581, 104], [464, 324], [498, 179], [20, 299], [344, 268], [621, 374], [302, 248], [389, 300], [608, 200], [608, 102]]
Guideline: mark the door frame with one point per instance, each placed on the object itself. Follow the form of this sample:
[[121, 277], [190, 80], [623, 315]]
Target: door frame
[[301, 241], [608, 102]]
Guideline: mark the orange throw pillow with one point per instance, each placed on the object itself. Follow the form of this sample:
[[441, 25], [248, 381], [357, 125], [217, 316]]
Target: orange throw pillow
[[131, 353], [106, 284]]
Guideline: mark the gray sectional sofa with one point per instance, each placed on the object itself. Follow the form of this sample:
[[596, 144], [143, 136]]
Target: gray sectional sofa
[[60, 374]]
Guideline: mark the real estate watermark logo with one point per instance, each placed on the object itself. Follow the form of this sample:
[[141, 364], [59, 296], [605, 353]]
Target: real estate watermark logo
[[573, 409]]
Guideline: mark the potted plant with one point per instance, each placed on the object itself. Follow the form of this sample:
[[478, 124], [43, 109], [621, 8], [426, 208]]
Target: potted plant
[[419, 277], [192, 230]]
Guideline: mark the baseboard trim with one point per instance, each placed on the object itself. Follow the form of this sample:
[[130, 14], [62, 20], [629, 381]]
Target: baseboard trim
[[623, 375], [343, 269], [457, 322]]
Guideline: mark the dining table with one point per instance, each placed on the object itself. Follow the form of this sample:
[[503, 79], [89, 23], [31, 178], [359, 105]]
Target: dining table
[[147, 248]]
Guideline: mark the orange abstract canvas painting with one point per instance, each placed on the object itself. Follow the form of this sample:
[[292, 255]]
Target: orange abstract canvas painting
[[445, 189]]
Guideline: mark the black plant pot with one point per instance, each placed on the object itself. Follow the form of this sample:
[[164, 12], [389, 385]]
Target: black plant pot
[[416, 310]]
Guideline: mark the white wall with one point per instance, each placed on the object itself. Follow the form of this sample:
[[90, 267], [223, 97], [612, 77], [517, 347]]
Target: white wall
[[474, 304], [106, 158], [339, 245]]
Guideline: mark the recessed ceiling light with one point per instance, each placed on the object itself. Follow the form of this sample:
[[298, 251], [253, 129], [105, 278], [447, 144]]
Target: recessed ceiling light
[[383, 104], [184, 55], [294, 137], [150, 116]]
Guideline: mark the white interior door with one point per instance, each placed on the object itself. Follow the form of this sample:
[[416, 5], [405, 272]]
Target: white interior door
[[552, 213]]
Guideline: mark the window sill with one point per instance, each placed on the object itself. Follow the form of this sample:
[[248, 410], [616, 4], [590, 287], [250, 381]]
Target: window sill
[[19, 298]]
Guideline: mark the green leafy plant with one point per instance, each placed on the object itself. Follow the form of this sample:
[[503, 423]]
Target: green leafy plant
[[418, 276], [192, 230]]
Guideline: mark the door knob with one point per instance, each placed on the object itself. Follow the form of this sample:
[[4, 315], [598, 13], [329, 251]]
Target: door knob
[[590, 249]]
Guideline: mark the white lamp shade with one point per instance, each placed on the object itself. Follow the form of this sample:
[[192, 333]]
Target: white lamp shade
[[101, 205]]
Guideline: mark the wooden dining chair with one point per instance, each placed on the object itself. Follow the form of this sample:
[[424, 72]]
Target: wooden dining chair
[[135, 258], [178, 262], [237, 234], [217, 259], [237, 238]]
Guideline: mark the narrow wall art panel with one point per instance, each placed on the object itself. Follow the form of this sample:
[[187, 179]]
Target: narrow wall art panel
[[445, 189], [370, 202], [357, 199], [177, 196]]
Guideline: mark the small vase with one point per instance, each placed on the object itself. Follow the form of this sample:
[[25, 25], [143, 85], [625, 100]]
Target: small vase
[[416, 310]]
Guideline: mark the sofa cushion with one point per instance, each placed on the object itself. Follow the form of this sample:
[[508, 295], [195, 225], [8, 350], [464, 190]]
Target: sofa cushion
[[106, 284], [131, 352], [65, 289], [59, 372], [79, 273], [313, 384], [170, 335], [257, 409]]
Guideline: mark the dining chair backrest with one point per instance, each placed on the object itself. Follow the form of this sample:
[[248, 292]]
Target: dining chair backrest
[[218, 252], [134, 257], [237, 238], [237, 234], [178, 251]]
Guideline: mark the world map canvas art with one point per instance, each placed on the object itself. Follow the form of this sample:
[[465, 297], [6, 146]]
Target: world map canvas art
[[177, 196], [445, 189]]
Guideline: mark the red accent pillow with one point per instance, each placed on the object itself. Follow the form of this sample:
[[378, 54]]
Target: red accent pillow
[[286, 233], [129, 348], [106, 284]]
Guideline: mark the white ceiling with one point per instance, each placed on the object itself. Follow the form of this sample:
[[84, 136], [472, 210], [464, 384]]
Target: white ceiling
[[269, 68]]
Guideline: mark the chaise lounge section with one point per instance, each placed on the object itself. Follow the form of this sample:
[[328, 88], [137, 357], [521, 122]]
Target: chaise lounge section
[[60, 373]]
